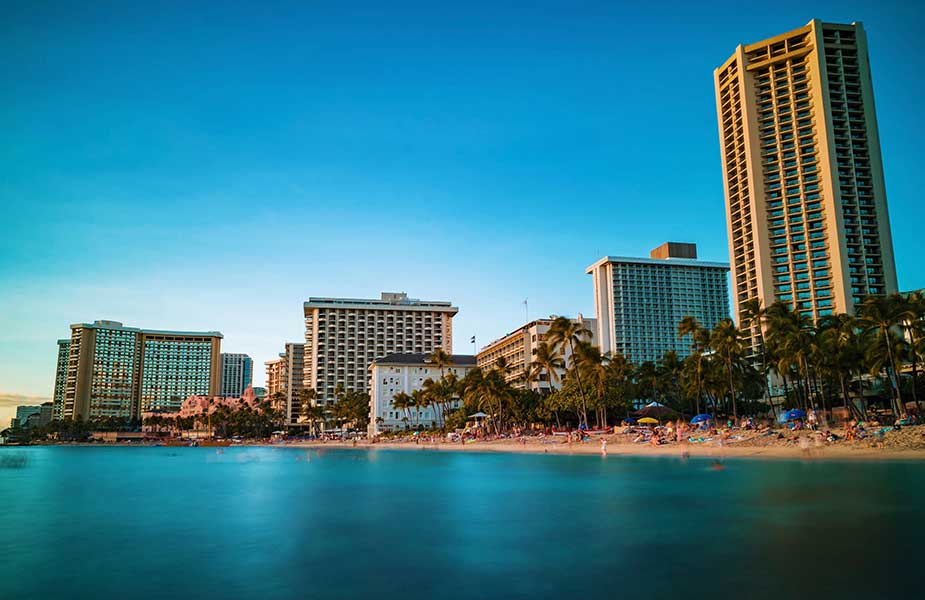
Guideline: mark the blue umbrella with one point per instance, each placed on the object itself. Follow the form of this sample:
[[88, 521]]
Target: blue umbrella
[[701, 418], [629, 421], [793, 415]]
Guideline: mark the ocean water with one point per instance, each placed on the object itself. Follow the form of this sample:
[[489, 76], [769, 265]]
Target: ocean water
[[265, 523]]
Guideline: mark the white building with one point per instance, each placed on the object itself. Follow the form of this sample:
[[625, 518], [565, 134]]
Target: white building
[[639, 302], [406, 373], [344, 335], [518, 349]]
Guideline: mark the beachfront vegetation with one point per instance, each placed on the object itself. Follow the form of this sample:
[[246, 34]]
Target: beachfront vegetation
[[779, 359]]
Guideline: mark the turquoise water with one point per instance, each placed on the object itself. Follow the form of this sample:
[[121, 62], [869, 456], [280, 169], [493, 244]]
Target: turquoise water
[[288, 523]]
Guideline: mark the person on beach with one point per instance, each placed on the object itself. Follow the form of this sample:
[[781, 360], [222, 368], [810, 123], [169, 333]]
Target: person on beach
[[804, 446], [603, 447], [812, 419]]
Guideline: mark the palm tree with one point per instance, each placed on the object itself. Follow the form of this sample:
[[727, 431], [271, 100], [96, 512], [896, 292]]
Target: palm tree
[[421, 403], [913, 323], [882, 314], [588, 360], [669, 368], [441, 359], [782, 326], [727, 342], [311, 415], [502, 366], [440, 394], [699, 342], [307, 398], [563, 332], [546, 360], [843, 353], [489, 392], [647, 378], [752, 316], [620, 378], [402, 401]]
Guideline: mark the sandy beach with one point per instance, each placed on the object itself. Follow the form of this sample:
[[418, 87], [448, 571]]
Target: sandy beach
[[907, 444]]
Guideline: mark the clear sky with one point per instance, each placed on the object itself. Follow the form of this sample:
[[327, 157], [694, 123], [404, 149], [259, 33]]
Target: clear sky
[[211, 167]]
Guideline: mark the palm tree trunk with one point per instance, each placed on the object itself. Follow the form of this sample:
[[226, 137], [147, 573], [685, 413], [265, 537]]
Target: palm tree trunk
[[699, 383], [581, 389], [786, 390], [897, 378], [732, 390]]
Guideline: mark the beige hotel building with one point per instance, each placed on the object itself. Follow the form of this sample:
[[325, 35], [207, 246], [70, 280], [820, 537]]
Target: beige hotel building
[[802, 171], [344, 335], [285, 374], [518, 350]]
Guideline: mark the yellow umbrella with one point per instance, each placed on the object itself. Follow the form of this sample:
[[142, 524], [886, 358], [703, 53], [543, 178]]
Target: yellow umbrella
[[647, 420]]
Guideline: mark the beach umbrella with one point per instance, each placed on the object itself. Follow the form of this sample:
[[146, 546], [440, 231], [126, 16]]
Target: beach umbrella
[[629, 421], [648, 420], [478, 415], [654, 409], [795, 414], [702, 418]]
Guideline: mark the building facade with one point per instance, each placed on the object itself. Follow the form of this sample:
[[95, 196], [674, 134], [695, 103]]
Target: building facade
[[518, 349], [802, 172], [344, 335], [23, 413], [295, 357], [237, 374], [277, 375], [406, 373], [285, 375], [639, 302], [118, 371], [57, 398]]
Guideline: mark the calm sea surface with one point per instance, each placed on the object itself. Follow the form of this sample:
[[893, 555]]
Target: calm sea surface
[[286, 523]]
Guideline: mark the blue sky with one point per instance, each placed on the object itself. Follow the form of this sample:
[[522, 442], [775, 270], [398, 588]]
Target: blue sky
[[212, 167]]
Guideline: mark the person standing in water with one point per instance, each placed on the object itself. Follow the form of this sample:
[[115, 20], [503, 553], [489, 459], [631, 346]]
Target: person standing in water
[[603, 447]]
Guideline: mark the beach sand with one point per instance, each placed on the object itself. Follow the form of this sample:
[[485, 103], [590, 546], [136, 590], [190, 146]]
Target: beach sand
[[911, 447]]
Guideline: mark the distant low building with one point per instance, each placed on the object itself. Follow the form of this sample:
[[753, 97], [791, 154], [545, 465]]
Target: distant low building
[[202, 406], [406, 373], [22, 415]]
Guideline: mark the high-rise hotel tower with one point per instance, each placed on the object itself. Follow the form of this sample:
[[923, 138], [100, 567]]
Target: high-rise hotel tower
[[803, 177], [108, 370], [344, 335]]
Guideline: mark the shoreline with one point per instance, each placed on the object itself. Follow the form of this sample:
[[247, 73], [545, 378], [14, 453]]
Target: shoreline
[[616, 450]]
